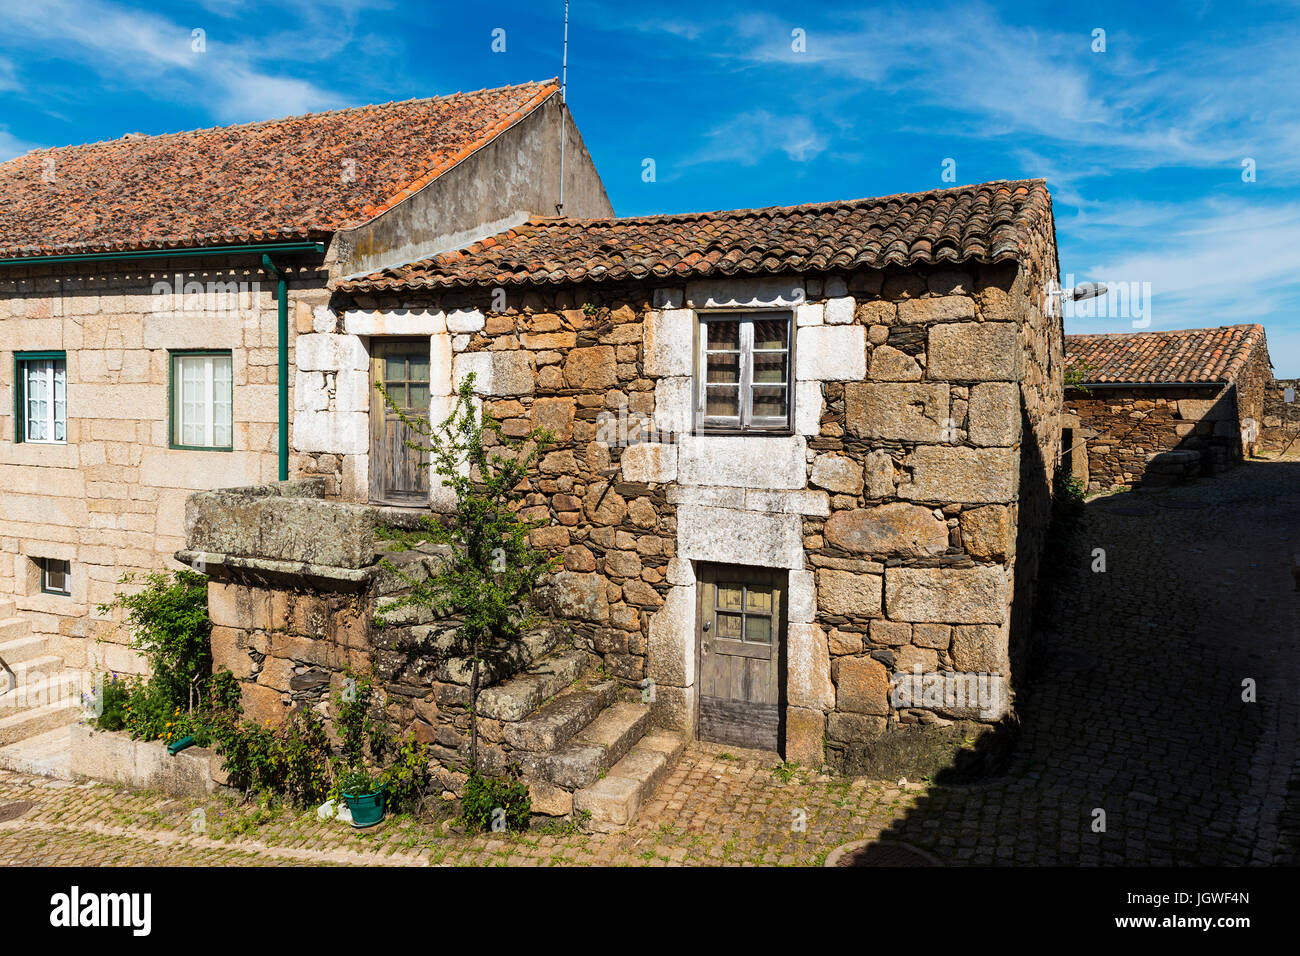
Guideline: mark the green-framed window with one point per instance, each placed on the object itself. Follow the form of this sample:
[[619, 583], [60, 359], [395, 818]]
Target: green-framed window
[[201, 400], [41, 397]]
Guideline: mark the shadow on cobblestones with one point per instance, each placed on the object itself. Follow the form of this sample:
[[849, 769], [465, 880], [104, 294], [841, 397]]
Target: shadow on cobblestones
[[1135, 718]]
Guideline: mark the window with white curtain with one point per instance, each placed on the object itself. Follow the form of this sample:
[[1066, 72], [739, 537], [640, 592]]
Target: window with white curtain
[[201, 400], [42, 398]]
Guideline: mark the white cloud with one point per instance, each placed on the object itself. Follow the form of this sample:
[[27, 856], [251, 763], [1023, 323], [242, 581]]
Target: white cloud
[[234, 78], [11, 146], [749, 137]]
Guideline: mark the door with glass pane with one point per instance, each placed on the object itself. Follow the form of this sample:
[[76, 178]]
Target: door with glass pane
[[741, 638], [397, 472]]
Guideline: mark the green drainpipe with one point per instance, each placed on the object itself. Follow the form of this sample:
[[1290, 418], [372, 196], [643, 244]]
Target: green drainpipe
[[282, 343]]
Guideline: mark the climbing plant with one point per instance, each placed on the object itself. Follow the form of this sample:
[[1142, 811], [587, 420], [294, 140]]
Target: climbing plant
[[493, 570]]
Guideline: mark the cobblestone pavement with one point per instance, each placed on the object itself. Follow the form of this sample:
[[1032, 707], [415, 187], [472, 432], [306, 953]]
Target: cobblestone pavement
[[1136, 710]]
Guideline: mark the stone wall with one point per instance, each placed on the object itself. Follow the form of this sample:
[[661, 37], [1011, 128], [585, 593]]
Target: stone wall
[[111, 499], [1252, 388], [300, 596], [1281, 419], [1133, 430], [926, 431]]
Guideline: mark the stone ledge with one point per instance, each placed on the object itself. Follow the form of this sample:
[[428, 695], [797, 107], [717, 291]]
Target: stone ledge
[[272, 572], [115, 757]]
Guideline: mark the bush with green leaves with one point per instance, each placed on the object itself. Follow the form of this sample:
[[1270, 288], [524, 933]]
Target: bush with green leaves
[[292, 761], [110, 702], [358, 782], [359, 729], [484, 796], [169, 626], [407, 775]]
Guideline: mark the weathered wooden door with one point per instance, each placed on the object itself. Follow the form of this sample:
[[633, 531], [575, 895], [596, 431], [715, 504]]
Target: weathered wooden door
[[741, 637], [397, 473]]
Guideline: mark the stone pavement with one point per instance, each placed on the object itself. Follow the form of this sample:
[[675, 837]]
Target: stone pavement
[[1136, 710]]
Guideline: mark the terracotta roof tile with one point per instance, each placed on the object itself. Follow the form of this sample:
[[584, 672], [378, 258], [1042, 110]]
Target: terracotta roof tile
[[990, 222], [305, 176], [1189, 355]]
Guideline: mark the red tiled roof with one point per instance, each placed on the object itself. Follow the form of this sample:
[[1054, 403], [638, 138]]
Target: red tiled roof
[[1190, 355], [305, 176], [987, 223]]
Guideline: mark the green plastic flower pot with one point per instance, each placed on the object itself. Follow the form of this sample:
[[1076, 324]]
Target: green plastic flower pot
[[367, 809]]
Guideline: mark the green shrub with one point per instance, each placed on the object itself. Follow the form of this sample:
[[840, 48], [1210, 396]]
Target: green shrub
[[110, 701], [484, 795], [169, 624], [357, 782], [292, 761], [354, 719], [407, 776]]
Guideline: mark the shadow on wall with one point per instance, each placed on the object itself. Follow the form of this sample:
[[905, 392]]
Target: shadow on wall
[[1131, 440]]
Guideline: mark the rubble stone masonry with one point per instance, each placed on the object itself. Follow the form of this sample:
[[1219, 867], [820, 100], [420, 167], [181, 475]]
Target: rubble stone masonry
[[908, 506]]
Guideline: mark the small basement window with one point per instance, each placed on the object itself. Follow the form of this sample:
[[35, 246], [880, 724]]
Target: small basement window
[[743, 373], [56, 576]]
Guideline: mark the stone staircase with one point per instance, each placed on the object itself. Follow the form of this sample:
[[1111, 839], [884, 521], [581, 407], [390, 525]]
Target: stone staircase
[[583, 743], [40, 700]]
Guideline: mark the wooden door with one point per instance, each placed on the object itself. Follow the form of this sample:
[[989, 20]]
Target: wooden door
[[741, 640], [397, 473]]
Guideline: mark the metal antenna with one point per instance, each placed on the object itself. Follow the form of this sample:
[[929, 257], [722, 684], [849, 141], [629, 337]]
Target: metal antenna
[[564, 85]]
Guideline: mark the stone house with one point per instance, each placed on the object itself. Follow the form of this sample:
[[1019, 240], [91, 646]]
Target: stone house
[[804, 455], [1158, 407], [159, 303], [1281, 413]]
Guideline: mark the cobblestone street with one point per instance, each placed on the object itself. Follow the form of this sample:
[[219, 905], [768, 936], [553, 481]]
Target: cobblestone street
[[1136, 711]]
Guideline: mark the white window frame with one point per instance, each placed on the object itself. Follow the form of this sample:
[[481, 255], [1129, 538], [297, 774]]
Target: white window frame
[[209, 423], [46, 586], [28, 366], [744, 423]]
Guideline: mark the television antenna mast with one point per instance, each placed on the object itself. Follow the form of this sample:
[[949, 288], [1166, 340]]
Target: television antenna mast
[[564, 108]]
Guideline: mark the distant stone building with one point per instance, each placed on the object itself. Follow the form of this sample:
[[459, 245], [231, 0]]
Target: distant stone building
[[1281, 413], [1159, 407]]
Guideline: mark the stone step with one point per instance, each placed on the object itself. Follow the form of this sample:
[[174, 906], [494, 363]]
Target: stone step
[[38, 689], [14, 652], [48, 754], [7, 608], [615, 801], [555, 723], [516, 698], [37, 720], [394, 616], [43, 665], [400, 571], [13, 628], [596, 748]]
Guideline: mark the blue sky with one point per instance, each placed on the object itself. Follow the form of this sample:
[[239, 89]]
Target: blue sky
[[1142, 143]]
